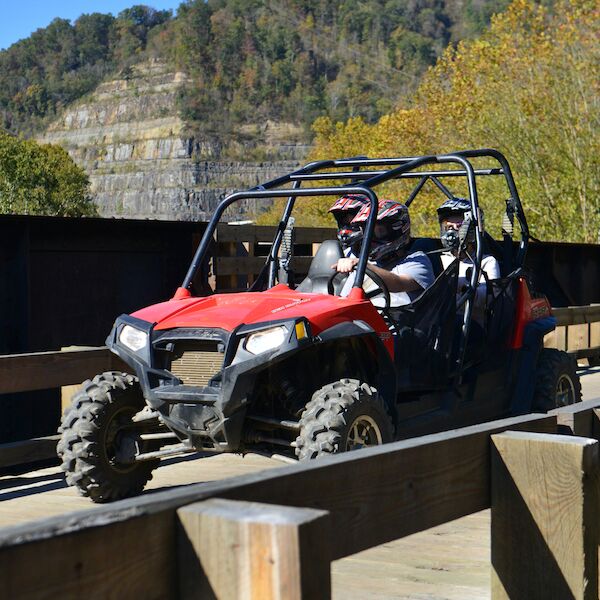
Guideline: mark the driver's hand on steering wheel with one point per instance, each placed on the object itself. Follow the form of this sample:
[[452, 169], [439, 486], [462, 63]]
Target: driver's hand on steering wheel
[[345, 265]]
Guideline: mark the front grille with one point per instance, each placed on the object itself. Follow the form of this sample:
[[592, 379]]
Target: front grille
[[195, 364]]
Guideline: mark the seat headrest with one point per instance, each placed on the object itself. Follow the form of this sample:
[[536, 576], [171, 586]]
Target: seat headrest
[[329, 253], [320, 273]]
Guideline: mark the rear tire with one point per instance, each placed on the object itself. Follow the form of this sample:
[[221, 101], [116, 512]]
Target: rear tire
[[93, 433], [557, 383], [342, 416]]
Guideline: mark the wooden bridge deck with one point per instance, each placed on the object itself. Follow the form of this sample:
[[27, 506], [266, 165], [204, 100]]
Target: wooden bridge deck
[[450, 562]]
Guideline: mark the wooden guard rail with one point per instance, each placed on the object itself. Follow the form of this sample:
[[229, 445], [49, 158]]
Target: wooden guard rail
[[577, 331], [45, 370], [275, 533]]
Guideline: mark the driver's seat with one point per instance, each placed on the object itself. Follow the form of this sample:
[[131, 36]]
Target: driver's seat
[[320, 278]]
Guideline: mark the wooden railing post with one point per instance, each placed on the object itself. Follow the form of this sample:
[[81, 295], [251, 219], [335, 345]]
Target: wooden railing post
[[246, 550], [544, 516]]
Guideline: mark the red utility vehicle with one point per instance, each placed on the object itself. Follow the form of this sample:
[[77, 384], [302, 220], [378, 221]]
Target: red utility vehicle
[[302, 372]]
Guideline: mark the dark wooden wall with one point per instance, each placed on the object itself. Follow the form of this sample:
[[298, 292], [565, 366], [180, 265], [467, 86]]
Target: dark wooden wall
[[569, 274], [63, 282]]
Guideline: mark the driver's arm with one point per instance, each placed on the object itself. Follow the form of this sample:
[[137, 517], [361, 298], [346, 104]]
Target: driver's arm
[[400, 282], [395, 282]]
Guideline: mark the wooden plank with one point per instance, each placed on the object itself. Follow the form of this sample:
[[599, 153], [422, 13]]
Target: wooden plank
[[556, 339], [226, 280], [550, 339], [561, 338], [544, 516], [266, 233], [578, 337], [133, 558], [575, 315], [595, 424], [234, 550], [45, 370], [251, 265], [66, 395], [577, 418], [28, 451], [374, 496]]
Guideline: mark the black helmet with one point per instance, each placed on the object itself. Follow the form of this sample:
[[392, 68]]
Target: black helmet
[[457, 207], [453, 206]]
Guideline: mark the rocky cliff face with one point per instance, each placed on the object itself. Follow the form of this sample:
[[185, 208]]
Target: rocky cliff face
[[129, 139]]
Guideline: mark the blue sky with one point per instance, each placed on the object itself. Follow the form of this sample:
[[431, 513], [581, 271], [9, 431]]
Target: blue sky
[[22, 17]]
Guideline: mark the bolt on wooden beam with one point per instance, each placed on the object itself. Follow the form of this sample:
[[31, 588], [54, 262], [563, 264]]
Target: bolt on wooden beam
[[238, 550], [544, 516]]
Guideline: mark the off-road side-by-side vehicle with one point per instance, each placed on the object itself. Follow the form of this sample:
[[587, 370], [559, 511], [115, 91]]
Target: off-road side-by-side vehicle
[[301, 372]]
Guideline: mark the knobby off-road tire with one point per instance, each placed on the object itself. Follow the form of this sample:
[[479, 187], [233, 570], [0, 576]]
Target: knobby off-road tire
[[556, 382], [92, 429], [342, 416]]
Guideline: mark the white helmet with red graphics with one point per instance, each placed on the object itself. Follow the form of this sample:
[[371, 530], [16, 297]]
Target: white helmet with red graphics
[[396, 235], [344, 209]]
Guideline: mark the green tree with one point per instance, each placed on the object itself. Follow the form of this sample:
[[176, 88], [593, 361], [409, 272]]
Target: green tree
[[40, 179]]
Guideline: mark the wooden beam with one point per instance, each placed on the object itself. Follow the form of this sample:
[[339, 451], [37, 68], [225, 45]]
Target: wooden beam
[[374, 495], [28, 451], [575, 315], [45, 370], [544, 517], [578, 337], [128, 558], [244, 550], [251, 265], [577, 419], [266, 233]]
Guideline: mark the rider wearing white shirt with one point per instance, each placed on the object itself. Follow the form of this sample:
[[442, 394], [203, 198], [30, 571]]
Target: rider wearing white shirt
[[451, 215]]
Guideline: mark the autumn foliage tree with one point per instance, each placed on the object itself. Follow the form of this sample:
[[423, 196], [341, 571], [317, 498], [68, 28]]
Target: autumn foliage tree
[[530, 87]]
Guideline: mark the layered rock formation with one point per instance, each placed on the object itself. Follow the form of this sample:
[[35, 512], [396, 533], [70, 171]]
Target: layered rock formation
[[142, 164]]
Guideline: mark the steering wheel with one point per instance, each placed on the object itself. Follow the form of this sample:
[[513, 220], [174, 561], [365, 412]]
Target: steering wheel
[[382, 288], [337, 282]]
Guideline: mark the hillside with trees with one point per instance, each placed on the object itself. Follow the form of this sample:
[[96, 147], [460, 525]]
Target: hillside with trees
[[58, 64], [377, 77], [251, 61], [296, 60], [530, 87]]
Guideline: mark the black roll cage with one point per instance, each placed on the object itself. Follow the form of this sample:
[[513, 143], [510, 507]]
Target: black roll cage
[[363, 182]]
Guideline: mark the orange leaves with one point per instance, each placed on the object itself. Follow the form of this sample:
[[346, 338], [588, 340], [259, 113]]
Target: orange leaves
[[529, 86]]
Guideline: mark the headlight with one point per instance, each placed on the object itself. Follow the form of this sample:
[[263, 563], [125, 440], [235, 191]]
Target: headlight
[[133, 338], [261, 341]]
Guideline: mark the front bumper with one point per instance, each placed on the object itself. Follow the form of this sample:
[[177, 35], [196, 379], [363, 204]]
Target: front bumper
[[209, 417]]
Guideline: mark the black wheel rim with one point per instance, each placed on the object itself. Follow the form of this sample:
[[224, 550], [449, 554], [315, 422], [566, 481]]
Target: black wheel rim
[[117, 429]]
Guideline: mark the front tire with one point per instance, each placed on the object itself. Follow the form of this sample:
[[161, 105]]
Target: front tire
[[557, 383], [342, 416], [93, 432]]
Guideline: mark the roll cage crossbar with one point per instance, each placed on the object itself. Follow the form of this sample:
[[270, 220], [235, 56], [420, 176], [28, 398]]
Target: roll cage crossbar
[[362, 183]]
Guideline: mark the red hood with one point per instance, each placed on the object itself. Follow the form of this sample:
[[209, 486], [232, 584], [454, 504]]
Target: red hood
[[227, 311]]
